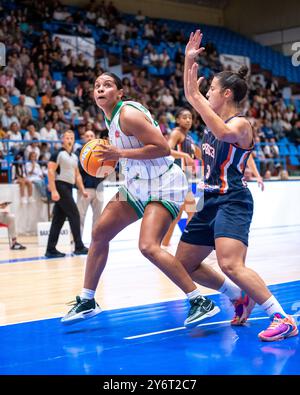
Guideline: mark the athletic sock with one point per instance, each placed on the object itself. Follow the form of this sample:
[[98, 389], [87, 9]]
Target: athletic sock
[[194, 294], [87, 293], [230, 289], [272, 306]]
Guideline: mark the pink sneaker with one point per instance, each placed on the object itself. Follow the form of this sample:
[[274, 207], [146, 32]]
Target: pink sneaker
[[280, 328], [243, 307]]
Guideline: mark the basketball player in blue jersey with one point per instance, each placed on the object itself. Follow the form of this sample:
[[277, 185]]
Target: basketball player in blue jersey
[[184, 150], [223, 223], [154, 190]]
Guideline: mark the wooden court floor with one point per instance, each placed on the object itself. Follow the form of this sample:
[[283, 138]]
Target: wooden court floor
[[33, 288]]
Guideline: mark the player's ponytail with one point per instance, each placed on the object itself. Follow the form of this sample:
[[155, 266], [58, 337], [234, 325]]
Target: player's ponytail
[[236, 82]]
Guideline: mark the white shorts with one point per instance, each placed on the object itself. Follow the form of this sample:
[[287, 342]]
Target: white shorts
[[169, 189]]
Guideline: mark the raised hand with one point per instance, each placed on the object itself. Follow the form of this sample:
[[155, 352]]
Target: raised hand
[[193, 49], [193, 83]]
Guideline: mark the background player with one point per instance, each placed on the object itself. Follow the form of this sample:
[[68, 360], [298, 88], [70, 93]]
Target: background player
[[184, 151]]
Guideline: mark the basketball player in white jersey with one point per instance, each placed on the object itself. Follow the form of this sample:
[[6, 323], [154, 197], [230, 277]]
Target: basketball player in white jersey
[[154, 190]]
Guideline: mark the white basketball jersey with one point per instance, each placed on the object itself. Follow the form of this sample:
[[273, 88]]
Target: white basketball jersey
[[135, 168]]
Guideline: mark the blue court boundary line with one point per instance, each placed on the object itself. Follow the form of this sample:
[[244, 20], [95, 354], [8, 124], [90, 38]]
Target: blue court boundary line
[[146, 305]]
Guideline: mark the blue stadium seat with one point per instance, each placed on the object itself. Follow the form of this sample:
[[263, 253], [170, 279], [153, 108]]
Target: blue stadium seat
[[14, 100], [293, 149], [294, 161], [34, 112], [283, 150], [57, 75]]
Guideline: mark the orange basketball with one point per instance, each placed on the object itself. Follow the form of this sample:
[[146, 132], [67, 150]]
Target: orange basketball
[[95, 166]]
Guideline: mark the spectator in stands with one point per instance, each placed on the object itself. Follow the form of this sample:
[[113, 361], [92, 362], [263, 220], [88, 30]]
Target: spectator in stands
[[67, 112], [91, 14], [35, 174], [15, 135], [24, 57], [154, 58], [61, 97], [46, 97], [29, 85], [71, 83], [45, 82], [15, 64], [45, 152], [21, 110], [100, 126], [101, 20], [19, 177], [3, 133], [163, 124], [271, 152], [267, 129], [259, 156], [268, 175], [7, 79], [82, 29], [61, 14], [40, 122], [47, 132], [51, 107], [163, 58], [4, 98], [8, 219], [32, 147], [168, 99], [8, 117], [31, 133], [66, 58], [283, 175], [140, 18]]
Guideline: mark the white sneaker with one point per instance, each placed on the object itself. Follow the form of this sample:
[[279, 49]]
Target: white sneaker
[[31, 199], [24, 200]]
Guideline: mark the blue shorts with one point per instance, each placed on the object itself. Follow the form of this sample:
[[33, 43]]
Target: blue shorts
[[227, 215]]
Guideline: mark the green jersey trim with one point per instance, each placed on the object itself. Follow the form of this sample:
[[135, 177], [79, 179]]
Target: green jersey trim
[[114, 112]]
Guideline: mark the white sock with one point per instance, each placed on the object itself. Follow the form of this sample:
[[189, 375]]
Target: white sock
[[230, 289], [87, 293], [194, 294], [272, 306]]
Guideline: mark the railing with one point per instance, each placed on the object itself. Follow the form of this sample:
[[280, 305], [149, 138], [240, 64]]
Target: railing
[[7, 163]]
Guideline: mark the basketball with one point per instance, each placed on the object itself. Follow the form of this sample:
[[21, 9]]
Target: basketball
[[94, 166]]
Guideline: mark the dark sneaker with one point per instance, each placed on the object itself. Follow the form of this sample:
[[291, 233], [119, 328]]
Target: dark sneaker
[[82, 310], [54, 254], [81, 251], [17, 246], [201, 308]]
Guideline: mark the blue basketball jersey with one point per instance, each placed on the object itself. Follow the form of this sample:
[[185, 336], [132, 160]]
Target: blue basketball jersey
[[187, 147], [224, 164]]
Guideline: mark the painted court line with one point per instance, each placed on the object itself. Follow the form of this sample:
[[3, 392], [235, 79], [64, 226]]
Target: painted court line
[[198, 326]]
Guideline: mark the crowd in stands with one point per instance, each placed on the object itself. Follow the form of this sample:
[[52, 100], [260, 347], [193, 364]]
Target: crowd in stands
[[36, 108]]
